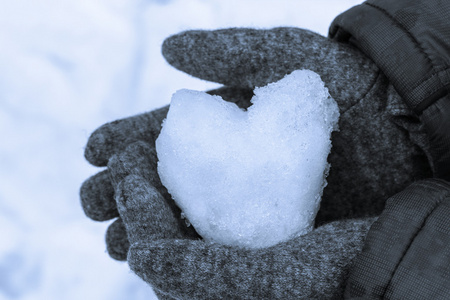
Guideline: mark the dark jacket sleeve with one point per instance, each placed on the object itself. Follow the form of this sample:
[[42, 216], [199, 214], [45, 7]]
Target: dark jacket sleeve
[[410, 41], [406, 254]]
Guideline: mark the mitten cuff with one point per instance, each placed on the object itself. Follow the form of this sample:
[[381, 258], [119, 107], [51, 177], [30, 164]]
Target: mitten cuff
[[406, 254]]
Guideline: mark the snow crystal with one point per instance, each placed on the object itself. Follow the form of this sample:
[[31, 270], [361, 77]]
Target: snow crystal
[[249, 178]]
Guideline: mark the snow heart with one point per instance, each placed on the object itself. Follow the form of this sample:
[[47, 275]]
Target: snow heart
[[249, 178]]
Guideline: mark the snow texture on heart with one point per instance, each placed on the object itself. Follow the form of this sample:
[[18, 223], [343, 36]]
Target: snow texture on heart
[[249, 178]]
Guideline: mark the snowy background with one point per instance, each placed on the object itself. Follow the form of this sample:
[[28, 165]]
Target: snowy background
[[67, 67]]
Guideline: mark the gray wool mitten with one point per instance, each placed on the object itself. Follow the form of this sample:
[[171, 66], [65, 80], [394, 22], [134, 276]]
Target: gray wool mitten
[[378, 151], [314, 266], [380, 147], [97, 193]]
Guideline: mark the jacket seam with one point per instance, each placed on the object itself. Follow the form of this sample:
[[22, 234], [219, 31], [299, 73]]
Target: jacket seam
[[434, 74], [444, 197], [401, 27], [420, 107]]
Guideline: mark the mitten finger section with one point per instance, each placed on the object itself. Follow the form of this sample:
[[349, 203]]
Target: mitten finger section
[[145, 212], [247, 58], [116, 239], [114, 137], [138, 158], [97, 197], [188, 269], [139, 161], [314, 266]]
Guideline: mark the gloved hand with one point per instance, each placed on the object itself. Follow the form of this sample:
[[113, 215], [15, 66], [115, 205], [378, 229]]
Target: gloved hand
[[314, 266], [372, 156], [97, 193], [407, 247]]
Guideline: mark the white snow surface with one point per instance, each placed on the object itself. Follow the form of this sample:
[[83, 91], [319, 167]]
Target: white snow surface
[[249, 178], [67, 67]]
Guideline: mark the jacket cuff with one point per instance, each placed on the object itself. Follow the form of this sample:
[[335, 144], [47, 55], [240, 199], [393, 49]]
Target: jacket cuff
[[406, 254], [396, 37], [409, 42]]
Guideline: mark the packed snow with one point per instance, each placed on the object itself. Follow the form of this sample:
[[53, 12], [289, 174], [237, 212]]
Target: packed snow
[[66, 68], [249, 178]]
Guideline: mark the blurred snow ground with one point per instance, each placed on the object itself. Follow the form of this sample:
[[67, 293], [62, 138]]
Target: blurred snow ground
[[67, 67]]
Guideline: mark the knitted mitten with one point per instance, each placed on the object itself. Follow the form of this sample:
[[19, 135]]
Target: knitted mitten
[[97, 193], [178, 266]]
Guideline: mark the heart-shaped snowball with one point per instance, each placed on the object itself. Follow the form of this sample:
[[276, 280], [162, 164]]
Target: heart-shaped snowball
[[249, 178]]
